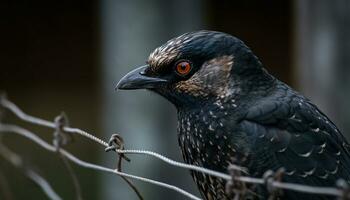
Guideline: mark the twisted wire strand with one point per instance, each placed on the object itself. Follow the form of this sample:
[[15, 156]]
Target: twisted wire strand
[[31, 136], [25, 117]]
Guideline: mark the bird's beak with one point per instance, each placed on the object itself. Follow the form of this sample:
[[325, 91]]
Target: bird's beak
[[137, 79]]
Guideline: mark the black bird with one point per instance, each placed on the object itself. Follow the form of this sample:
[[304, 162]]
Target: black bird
[[231, 110]]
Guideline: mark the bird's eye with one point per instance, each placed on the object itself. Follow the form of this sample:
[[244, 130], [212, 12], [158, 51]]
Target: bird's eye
[[183, 68]]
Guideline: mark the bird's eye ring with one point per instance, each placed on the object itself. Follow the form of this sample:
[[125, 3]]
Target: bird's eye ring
[[183, 68]]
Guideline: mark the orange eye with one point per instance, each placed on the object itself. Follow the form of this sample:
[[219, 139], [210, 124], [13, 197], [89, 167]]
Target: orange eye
[[183, 68]]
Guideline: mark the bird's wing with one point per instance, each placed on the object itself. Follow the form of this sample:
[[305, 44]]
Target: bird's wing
[[291, 132]]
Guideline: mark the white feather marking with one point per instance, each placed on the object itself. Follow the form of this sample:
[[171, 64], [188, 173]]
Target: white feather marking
[[316, 130], [290, 172], [324, 176], [307, 154], [334, 171], [282, 150], [310, 172]]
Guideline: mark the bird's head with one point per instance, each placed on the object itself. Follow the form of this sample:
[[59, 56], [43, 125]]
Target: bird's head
[[194, 67]]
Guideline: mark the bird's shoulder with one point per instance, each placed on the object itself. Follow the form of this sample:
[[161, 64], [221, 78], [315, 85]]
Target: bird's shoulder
[[288, 131], [288, 110]]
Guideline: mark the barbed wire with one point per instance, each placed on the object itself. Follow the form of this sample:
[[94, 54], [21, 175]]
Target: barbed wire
[[18, 112], [31, 136], [271, 182]]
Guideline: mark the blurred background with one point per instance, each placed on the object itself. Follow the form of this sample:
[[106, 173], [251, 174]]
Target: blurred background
[[68, 55]]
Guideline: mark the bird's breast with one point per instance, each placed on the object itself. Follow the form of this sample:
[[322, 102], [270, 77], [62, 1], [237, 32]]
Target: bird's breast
[[206, 139]]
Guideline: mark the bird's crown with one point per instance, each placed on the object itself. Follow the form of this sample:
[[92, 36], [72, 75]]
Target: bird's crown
[[188, 44]]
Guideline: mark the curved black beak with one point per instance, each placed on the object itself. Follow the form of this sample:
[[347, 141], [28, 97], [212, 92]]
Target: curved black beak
[[137, 79]]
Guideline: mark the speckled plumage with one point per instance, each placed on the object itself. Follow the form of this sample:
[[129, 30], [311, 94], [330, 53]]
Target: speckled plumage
[[230, 109]]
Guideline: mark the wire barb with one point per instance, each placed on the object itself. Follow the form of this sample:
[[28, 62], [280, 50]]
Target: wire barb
[[60, 138], [270, 178], [116, 142], [234, 188]]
